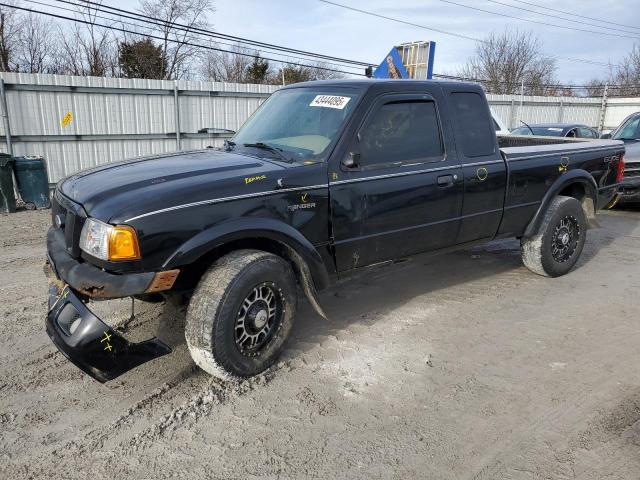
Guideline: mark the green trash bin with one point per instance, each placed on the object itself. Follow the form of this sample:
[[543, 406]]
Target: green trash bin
[[33, 182], [7, 196]]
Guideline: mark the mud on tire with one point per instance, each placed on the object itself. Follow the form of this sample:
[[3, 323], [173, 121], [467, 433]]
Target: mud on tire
[[241, 313], [556, 247]]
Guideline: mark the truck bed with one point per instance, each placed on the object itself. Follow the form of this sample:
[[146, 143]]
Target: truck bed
[[534, 162], [518, 146]]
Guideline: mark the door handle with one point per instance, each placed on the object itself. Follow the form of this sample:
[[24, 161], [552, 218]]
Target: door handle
[[445, 180]]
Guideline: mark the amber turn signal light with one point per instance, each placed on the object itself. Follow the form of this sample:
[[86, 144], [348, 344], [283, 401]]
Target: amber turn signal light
[[123, 244]]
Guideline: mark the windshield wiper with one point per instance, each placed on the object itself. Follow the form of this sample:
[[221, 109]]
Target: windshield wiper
[[270, 148]]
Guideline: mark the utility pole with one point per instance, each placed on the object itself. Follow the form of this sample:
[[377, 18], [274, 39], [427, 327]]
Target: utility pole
[[603, 107], [521, 99], [176, 103], [282, 70], [5, 117]]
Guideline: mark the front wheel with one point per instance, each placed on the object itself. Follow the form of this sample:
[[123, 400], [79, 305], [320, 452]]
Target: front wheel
[[241, 314], [555, 249]]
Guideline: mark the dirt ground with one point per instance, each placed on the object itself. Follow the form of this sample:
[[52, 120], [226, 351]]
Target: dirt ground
[[462, 366]]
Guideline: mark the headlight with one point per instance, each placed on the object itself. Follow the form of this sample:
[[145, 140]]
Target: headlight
[[108, 242]]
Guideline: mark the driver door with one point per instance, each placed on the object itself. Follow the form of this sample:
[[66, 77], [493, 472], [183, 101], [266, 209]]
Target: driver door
[[399, 191]]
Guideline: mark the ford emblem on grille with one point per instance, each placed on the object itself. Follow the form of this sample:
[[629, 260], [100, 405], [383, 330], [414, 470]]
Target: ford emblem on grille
[[59, 219]]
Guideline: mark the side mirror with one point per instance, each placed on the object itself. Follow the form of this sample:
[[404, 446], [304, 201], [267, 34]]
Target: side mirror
[[351, 161], [605, 135]]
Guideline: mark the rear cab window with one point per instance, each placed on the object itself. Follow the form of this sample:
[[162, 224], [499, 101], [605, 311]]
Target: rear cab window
[[474, 132]]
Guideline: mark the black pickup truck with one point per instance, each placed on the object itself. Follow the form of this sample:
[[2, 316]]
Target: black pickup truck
[[326, 178]]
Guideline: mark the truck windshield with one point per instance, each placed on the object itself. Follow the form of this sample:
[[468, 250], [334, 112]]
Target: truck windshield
[[629, 131], [301, 123]]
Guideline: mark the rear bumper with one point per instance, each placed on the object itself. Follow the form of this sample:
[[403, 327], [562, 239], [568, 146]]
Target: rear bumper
[[89, 343]]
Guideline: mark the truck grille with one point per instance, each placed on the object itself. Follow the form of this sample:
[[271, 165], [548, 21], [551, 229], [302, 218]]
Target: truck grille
[[69, 217]]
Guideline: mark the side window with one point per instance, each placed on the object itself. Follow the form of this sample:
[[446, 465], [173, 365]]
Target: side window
[[586, 133], [475, 134], [401, 132]]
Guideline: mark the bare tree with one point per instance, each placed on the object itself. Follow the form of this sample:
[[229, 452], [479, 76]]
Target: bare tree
[[176, 40], [226, 67], [506, 60], [595, 87], [626, 76], [36, 50], [87, 49], [10, 26], [294, 73], [623, 78]]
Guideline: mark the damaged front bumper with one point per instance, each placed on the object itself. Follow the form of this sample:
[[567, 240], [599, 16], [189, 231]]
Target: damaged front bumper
[[89, 343], [90, 280]]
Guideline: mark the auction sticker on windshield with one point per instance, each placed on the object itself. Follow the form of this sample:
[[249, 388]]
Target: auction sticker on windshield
[[330, 101]]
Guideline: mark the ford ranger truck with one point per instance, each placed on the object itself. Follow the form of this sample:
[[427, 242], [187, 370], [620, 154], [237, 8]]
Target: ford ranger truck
[[325, 179]]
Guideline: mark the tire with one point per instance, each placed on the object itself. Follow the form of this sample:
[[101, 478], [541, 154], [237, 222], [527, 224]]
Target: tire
[[555, 249], [241, 314]]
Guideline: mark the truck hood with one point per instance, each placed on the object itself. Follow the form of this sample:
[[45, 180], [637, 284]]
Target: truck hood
[[121, 190]]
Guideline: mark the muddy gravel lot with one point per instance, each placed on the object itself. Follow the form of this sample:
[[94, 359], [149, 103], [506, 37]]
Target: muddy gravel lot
[[462, 366]]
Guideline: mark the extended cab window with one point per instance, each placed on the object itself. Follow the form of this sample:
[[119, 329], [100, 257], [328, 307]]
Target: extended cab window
[[401, 132], [475, 134]]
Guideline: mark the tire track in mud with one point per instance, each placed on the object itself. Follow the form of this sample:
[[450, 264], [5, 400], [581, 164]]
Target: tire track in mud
[[46, 368], [172, 405], [605, 425], [213, 393], [98, 437]]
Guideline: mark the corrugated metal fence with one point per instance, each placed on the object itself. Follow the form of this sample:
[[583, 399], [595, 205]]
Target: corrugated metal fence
[[79, 122]]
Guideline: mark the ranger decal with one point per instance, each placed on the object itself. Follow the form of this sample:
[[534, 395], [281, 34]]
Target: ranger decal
[[249, 180]]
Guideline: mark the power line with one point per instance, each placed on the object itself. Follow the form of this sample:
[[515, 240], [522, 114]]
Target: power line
[[575, 14], [278, 60], [561, 18], [538, 22], [94, 16], [385, 17], [159, 22], [155, 37], [545, 85], [466, 37]]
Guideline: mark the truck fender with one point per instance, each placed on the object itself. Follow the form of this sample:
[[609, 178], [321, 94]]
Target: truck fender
[[573, 177], [313, 273]]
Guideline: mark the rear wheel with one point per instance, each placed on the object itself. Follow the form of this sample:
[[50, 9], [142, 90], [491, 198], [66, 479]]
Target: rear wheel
[[241, 314], [555, 249]]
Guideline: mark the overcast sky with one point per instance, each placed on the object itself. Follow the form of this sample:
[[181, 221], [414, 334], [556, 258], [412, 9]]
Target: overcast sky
[[315, 26]]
